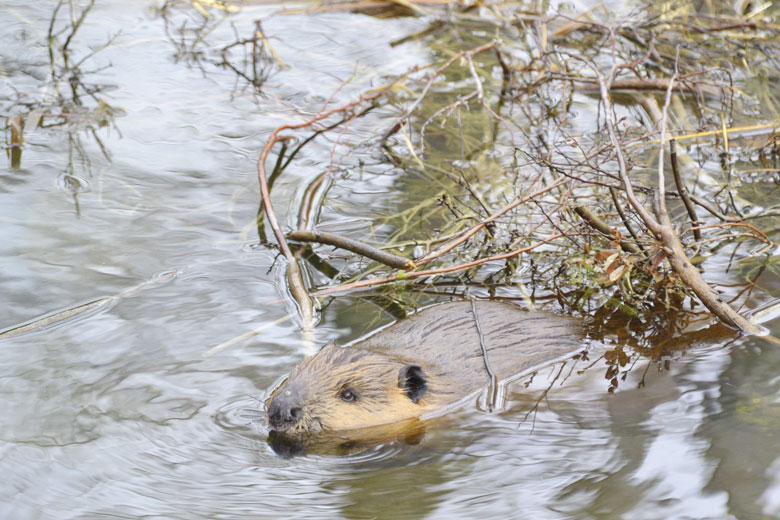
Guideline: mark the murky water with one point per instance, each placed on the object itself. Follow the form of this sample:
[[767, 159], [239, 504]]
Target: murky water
[[138, 407]]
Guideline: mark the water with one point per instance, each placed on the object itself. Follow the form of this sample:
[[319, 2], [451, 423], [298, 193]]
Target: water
[[138, 406]]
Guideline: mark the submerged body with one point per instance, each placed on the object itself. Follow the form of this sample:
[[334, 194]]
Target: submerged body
[[416, 366]]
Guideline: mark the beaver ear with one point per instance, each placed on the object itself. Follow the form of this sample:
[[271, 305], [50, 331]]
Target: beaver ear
[[413, 381]]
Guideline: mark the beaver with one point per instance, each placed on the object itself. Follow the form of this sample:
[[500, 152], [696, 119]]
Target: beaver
[[416, 367]]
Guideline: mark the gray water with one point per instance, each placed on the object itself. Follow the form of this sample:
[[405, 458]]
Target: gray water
[[138, 406]]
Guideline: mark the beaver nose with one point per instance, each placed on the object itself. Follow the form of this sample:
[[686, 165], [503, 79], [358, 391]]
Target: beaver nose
[[284, 411]]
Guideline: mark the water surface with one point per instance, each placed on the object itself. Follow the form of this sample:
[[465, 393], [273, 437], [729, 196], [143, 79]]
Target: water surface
[[126, 410]]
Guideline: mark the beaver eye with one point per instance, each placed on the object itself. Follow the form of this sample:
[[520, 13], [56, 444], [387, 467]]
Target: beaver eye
[[348, 395]]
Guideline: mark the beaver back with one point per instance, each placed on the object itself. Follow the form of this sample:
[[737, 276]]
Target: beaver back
[[445, 341]]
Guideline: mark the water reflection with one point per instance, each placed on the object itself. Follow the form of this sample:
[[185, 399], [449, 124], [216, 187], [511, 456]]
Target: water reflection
[[67, 95], [189, 26], [412, 490], [741, 424], [408, 433]]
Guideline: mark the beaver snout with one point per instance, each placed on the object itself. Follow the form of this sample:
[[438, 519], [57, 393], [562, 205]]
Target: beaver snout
[[284, 410]]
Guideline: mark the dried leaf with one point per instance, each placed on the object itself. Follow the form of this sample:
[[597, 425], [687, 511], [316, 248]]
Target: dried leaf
[[33, 120], [605, 255], [617, 274], [17, 137]]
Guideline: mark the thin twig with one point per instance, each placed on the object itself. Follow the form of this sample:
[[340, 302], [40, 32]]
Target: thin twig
[[493, 388], [683, 191], [679, 261], [431, 272], [601, 226], [294, 277], [626, 223], [360, 248], [465, 235], [410, 110]]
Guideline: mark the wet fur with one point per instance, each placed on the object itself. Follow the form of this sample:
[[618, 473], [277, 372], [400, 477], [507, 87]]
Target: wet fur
[[444, 343]]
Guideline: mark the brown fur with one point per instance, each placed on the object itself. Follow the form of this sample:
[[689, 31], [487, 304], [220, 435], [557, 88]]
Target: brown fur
[[442, 341]]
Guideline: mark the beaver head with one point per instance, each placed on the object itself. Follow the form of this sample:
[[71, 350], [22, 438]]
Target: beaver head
[[347, 388]]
